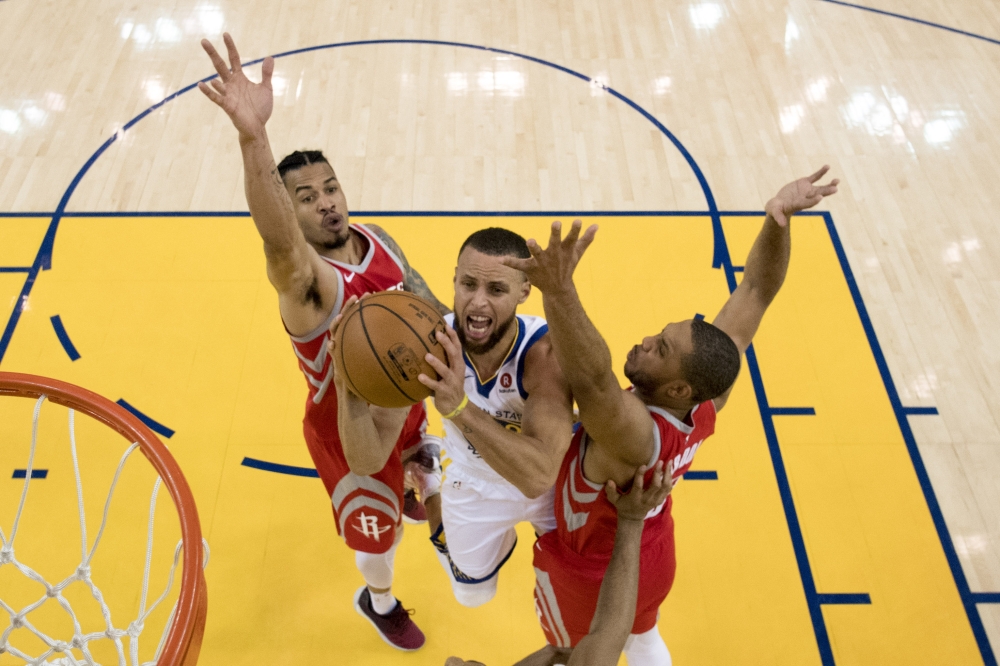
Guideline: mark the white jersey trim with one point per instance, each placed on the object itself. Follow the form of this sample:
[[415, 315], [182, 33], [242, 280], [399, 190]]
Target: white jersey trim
[[673, 420]]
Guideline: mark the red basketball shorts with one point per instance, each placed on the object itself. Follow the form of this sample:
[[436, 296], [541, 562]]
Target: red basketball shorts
[[567, 585], [368, 510]]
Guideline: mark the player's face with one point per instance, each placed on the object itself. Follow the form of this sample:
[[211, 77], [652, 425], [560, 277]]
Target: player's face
[[657, 359], [320, 205], [487, 294]]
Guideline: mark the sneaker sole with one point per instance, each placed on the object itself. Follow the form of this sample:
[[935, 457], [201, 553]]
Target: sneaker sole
[[357, 607], [413, 521]]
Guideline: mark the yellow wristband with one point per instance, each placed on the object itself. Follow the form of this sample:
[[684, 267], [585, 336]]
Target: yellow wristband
[[458, 410]]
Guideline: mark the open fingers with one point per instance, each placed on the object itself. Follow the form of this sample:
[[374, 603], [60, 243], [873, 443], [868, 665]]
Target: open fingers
[[266, 70], [611, 490], [217, 61], [587, 239], [574, 233], [827, 190], [556, 234], [432, 384], [452, 347], [819, 174], [439, 366], [517, 262], [638, 480], [210, 93], [234, 55]]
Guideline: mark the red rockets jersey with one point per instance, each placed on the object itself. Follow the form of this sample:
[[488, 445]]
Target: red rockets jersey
[[379, 270], [586, 521]]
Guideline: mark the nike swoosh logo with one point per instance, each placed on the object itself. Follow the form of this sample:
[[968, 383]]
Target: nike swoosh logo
[[348, 278]]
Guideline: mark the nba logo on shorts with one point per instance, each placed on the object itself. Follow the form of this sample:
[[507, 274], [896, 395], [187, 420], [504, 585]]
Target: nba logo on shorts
[[505, 380]]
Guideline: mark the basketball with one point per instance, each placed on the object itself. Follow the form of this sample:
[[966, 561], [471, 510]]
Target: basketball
[[381, 344]]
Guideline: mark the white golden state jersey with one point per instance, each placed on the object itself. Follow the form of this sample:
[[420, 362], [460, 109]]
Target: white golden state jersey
[[501, 396]]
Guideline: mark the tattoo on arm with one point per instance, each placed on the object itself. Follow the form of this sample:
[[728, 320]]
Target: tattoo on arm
[[412, 280]]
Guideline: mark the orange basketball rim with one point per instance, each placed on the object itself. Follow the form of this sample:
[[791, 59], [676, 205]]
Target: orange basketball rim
[[183, 641]]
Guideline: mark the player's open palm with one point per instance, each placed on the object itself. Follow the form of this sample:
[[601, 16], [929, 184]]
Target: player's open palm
[[799, 195], [639, 501], [247, 104], [552, 269]]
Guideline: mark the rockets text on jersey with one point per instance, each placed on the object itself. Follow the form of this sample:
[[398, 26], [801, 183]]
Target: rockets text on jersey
[[587, 520]]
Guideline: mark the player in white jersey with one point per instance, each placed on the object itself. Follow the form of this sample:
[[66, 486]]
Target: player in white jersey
[[508, 416]]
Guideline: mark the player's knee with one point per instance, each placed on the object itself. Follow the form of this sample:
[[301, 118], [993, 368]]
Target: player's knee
[[476, 594]]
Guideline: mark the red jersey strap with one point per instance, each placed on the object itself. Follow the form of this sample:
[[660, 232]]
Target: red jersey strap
[[677, 441]]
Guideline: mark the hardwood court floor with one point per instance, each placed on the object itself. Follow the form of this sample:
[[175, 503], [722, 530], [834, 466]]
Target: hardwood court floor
[[171, 311]]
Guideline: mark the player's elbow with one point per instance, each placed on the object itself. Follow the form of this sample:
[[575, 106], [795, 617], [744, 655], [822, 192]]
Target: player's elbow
[[537, 484]]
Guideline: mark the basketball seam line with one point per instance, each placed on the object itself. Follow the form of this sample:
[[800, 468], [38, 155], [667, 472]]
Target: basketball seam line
[[364, 328], [396, 314]]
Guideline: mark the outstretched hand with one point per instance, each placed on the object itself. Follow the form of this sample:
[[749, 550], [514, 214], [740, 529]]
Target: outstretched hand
[[552, 269], [640, 501], [247, 104], [800, 195]]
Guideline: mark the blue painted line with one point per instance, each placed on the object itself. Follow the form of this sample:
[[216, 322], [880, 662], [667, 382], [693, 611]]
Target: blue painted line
[[692, 475], [699, 316], [813, 604], [844, 599], [43, 260], [793, 411], [160, 213], [24, 214], [280, 469], [986, 597], [153, 425], [737, 269], [937, 515], [788, 504], [64, 338], [35, 473], [15, 269], [915, 20], [915, 411]]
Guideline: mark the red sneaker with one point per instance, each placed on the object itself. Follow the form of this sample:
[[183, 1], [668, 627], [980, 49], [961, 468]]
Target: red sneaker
[[413, 509], [396, 628]]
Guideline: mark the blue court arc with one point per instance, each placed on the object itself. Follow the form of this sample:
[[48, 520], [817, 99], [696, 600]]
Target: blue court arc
[[720, 259]]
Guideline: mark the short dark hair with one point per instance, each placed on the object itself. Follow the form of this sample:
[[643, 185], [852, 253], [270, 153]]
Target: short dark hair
[[497, 242], [713, 364], [299, 159]]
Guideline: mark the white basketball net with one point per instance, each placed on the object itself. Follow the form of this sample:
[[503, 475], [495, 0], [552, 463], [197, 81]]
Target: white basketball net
[[80, 641]]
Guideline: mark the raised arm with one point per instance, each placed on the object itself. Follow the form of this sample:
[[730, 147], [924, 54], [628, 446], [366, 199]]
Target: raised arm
[[615, 611], [306, 295], [767, 263], [608, 413], [530, 459], [412, 280], [368, 433]]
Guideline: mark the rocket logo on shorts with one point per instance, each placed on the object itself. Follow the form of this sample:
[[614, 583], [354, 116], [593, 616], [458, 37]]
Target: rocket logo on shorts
[[370, 527]]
